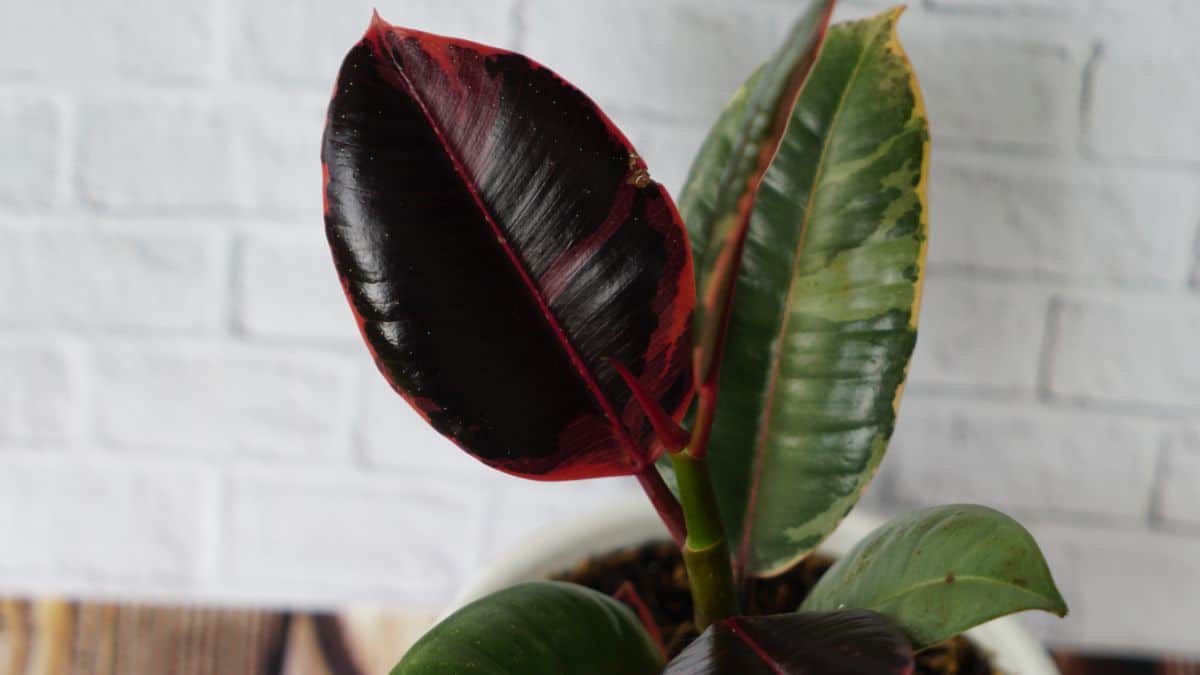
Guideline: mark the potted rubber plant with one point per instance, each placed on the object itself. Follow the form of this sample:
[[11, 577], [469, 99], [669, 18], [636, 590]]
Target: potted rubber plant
[[523, 282]]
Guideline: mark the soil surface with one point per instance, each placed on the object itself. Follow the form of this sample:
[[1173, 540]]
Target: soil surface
[[657, 574]]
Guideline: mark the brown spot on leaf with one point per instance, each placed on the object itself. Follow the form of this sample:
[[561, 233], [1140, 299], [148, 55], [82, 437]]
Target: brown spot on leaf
[[950, 577], [638, 175]]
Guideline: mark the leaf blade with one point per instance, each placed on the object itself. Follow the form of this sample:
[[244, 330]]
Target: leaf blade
[[831, 643], [828, 297], [537, 628], [724, 179], [501, 244], [940, 571]]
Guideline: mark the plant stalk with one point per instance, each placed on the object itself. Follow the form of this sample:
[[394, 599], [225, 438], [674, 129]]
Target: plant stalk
[[705, 551]]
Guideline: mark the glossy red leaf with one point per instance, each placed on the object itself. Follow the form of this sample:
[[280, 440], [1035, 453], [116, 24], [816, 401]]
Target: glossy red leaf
[[851, 642], [502, 245]]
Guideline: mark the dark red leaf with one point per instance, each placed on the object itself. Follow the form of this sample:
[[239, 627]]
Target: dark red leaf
[[851, 642], [500, 242]]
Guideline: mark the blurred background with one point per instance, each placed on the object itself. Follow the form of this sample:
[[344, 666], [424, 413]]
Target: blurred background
[[186, 412]]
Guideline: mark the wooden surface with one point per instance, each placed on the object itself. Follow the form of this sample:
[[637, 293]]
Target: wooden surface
[[62, 638]]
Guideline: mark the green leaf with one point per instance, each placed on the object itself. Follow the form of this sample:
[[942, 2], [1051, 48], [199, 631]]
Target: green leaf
[[826, 305], [830, 643], [939, 571], [726, 173], [538, 628]]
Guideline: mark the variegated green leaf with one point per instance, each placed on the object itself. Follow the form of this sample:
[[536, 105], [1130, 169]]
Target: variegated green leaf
[[825, 314], [726, 173], [940, 571]]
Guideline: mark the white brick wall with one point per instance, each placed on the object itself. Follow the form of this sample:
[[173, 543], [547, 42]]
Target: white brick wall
[[1131, 349], [1130, 589], [111, 279], [996, 89], [980, 335], [177, 395], [327, 537], [287, 288], [84, 521], [30, 133], [157, 155], [186, 411], [72, 41], [41, 397], [1110, 224], [1018, 454], [1178, 499]]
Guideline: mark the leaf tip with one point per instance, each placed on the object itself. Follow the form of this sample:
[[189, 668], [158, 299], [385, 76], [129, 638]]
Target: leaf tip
[[378, 26], [1059, 604], [377, 22]]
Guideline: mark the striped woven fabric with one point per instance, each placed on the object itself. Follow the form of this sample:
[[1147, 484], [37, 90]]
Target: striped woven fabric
[[49, 637]]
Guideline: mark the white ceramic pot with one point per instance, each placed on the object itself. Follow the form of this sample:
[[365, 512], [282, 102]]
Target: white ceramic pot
[[632, 522]]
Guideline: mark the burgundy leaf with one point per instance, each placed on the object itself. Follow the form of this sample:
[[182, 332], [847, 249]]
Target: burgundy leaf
[[851, 642], [501, 245]]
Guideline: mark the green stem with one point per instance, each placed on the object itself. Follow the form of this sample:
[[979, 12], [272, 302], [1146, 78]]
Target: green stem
[[705, 551]]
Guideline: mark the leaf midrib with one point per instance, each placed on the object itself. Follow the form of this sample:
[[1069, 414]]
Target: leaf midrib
[[776, 348], [964, 579], [758, 650], [581, 367]]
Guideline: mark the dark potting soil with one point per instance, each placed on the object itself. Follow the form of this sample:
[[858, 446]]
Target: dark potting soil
[[657, 573]]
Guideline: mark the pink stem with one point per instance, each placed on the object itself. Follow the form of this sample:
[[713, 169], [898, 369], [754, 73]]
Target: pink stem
[[664, 502], [629, 595]]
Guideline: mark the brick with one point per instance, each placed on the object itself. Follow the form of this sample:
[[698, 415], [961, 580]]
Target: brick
[[192, 155], [1061, 221], [62, 39], [1140, 107], [308, 538], [978, 335], [93, 279], [1136, 349], [1003, 7], [288, 287], [850, 10], [266, 32], [1019, 457], [1178, 496], [198, 397], [1146, 30], [278, 156], [40, 395], [96, 522], [393, 435], [1128, 590], [524, 509], [678, 59], [158, 156], [31, 133], [993, 88]]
